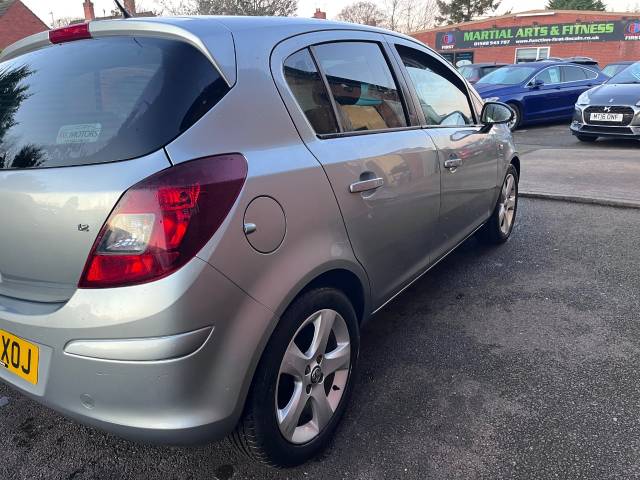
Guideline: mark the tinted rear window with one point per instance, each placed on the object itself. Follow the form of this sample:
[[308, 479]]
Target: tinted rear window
[[101, 100]]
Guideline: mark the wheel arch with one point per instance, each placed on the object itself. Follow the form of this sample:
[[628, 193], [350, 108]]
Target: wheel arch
[[347, 282], [515, 161], [346, 276], [518, 104], [514, 101]]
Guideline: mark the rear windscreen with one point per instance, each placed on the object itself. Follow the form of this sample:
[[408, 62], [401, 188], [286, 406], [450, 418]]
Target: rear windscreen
[[101, 100]]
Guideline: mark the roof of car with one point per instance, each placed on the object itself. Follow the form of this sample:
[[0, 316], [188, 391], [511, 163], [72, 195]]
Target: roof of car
[[249, 24], [486, 64], [534, 64], [547, 63], [243, 23]]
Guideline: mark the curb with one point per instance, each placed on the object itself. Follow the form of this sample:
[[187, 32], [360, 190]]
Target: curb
[[605, 202]]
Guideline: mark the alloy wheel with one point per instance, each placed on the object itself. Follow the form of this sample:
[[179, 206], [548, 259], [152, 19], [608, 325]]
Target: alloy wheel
[[313, 376], [507, 205]]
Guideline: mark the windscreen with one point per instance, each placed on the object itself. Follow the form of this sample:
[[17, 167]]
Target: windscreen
[[630, 74], [101, 100], [507, 76]]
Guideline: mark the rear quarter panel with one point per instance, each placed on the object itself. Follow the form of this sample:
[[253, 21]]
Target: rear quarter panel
[[252, 120]]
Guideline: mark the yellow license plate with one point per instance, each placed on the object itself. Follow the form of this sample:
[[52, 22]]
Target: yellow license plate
[[19, 357]]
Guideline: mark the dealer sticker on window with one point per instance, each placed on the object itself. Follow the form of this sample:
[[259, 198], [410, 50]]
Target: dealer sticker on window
[[83, 133]]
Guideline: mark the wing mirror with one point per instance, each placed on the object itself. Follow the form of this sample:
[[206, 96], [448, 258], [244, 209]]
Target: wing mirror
[[495, 113], [536, 83]]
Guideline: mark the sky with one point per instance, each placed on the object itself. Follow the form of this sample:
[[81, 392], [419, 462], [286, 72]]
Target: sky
[[73, 8]]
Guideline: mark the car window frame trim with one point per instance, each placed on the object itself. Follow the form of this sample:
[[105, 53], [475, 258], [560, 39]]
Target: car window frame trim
[[300, 41]]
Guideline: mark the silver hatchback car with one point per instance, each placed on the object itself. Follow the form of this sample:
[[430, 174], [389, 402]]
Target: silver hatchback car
[[199, 214]]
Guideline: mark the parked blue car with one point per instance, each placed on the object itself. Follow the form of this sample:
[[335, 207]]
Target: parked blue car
[[539, 91]]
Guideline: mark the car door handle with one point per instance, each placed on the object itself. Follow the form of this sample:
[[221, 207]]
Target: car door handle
[[366, 185], [452, 163]]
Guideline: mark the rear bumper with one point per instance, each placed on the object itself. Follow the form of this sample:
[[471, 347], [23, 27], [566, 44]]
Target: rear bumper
[[167, 362]]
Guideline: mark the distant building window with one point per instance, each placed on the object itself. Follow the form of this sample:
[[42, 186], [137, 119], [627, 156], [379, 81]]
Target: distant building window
[[531, 54]]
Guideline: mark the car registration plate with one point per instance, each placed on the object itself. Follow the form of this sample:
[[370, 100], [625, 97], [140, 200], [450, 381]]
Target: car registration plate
[[19, 357], [606, 117]]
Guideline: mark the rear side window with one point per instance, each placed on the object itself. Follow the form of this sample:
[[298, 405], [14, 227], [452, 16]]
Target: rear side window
[[101, 100], [573, 74], [365, 92], [590, 74], [308, 88]]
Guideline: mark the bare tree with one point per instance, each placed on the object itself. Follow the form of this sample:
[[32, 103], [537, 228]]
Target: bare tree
[[394, 13], [363, 12], [409, 16], [633, 8], [419, 15], [62, 22], [231, 7], [178, 7]]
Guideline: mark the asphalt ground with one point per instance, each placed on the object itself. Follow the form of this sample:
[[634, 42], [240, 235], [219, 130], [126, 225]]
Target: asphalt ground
[[519, 361], [555, 164]]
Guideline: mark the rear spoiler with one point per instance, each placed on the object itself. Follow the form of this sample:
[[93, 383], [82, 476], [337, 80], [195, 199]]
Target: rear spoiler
[[591, 63], [139, 28]]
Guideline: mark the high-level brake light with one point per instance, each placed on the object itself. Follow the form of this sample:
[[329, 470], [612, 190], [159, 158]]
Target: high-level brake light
[[70, 33]]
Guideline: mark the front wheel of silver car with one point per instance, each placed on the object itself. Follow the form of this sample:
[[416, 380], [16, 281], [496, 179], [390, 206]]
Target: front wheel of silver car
[[500, 225], [303, 381]]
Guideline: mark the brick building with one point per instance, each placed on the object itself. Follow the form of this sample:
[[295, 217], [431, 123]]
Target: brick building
[[17, 22], [320, 14], [90, 14], [533, 35]]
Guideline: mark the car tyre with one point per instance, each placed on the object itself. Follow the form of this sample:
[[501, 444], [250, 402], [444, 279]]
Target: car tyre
[[498, 228], [587, 138], [517, 117], [285, 380]]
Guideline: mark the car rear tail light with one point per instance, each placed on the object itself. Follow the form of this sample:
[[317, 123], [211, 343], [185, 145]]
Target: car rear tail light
[[69, 34], [162, 222]]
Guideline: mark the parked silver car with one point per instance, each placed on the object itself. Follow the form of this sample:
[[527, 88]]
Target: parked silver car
[[198, 215]]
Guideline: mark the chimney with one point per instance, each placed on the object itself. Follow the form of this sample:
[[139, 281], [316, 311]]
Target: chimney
[[89, 12], [320, 14], [130, 6]]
